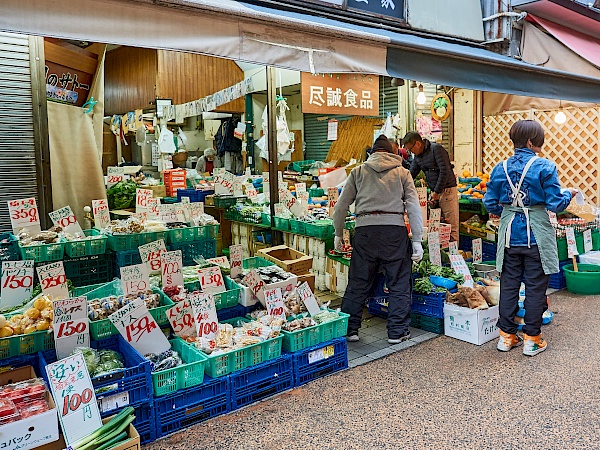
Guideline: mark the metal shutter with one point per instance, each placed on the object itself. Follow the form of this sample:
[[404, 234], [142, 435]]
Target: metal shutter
[[17, 143], [388, 97]]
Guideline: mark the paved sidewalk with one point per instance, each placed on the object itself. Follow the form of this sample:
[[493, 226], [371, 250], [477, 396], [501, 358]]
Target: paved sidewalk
[[440, 394]]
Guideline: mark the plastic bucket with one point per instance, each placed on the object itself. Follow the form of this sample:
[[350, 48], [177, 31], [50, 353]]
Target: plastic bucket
[[584, 282]]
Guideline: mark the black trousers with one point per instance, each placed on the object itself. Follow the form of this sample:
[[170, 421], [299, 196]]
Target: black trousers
[[522, 263], [388, 247]]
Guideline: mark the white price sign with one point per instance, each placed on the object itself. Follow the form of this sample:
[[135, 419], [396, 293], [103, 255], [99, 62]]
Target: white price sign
[[65, 219], [70, 325], [256, 284], [235, 253], [135, 278], [171, 265], [587, 241], [115, 175], [24, 215], [300, 187], [53, 280], [435, 216], [290, 202], [332, 199], [211, 280], [238, 183], [571, 243], [321, 354], [17, 282], [141, 199], [477, 251], [266, 191], [460, 267], [181, 317], [221, 261], [153, 207], [552, 216], [205, 315], [274, 301], [251, 192], [195, 210], [303, 199], [139, 328], [224, 183], [307, 297], [101, 214], [151, 254], [422, 193], [453, 247], [435, 255], [74, 396]]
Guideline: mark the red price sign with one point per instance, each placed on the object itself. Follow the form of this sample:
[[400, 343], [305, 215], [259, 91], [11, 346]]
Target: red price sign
[[256, 284], [235, 253], [205, 314], [172, 274], [67, 329], [181, 317], [101, 214], [17, 281], [24, 214], [65, 218], [53, 280], [135, 278], [139, 328], [151, 254], [115, 175], [211, 280], [14, 281], [274, 301]]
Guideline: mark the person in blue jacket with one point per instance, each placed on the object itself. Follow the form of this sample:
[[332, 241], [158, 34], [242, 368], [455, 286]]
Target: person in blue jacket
[[521, 191]]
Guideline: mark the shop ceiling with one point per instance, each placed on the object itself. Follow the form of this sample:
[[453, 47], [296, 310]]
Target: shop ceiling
[[261, 35]]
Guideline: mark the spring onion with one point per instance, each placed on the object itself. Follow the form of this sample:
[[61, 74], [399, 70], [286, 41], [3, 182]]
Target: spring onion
[[115, 423], [95, 443], [116, 440]]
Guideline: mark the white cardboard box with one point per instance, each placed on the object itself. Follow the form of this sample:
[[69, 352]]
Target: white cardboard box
[[476, 326]]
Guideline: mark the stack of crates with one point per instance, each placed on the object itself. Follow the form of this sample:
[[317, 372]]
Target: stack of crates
[[174, 180]]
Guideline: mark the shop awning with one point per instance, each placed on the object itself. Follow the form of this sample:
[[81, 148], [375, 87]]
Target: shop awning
[[262, 35]]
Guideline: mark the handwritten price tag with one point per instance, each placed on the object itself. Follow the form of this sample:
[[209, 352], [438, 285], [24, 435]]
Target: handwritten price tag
[[274, 301], [70, 325], [172, 263], [460, 267], [435, 255], [141, 199], [587, 241], [422, 193], [434, 220], [256, 285], [266, 191], [238, 183], [24, 214], [139, 328], [115, 175], [101, 214], [332, 199], [571, 243], [151, 254], [195, 211], [65, 219], [53, 280], [224, 183], [74, 396], [300, 187], [251, 192], [17, 282], [453, 247], [205, 315], [220, 261], [211, 280], [153, 209], [181, 317], [308, 298], [235, 253], [477, 251], [135, 278], [290, 202]]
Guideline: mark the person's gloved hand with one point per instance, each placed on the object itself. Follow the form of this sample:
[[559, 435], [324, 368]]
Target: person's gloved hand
[[338, 241], [417, 254]]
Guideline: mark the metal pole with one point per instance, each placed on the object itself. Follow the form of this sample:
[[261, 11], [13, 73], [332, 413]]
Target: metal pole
[[272, 139]]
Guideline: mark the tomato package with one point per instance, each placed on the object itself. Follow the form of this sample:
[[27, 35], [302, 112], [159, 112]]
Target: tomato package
[[33, 408], [24, 391], [8, 411]]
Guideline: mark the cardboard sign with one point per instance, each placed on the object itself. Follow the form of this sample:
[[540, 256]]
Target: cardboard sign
[[332, 199], [256, 284], [211, 280], [115, 175], [235, 253], [17, 282], [53, 280], [251, 192], [266, 189], [205, 315], [141, 199], [477, 251], [220, 261], [101, 214], [24, 215], [151, 254], [153, 208], [453, 247], [135, 278], [300, 187], [309, 300], [422, 193], [460, 267], [274, 301], [571, 243], [70, 325], [65, 219], [435, 255], [181, 318], [290, 202], [224, 183], [74, 396], [171, 266], [139, 328], [435, 216], [238, 183], [587, 241]]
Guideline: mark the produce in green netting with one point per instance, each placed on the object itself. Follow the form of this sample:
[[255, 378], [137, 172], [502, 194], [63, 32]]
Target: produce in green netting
[[122, 195], [90, 356]]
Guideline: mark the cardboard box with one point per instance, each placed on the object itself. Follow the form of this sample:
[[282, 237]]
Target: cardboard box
[[158, 191], [33, 431], [309, 278], [476, 326], [132, 444], [288, 259]]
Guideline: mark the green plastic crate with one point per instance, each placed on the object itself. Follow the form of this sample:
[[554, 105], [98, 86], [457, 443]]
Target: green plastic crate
[[563, 251], [255, 262], [250, 355], [474, 207], [282, 224], [43, 252], [118, 243], [318, 192], [177, 235], [301, 339], [87, 247], [227, 299], [350, 225], [227, 201], [301, 166], [297, 226], [321, 229], [266, 219], [190, 373], [102, 329], [26, 344]]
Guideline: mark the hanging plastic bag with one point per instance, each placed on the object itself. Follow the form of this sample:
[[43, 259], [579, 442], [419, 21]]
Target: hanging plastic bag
[[283, 132], [388, 129]]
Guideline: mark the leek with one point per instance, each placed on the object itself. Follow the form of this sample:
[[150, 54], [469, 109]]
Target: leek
[[117, 439], [104, 429], [93, 444]]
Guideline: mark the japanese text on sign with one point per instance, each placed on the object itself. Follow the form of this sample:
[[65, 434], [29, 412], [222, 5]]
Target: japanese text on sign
[[332, 199], [309, 300], [211, 280], [151, 254], [65, 219], [171, 266], [17, 282], [433, 241], [181, 317], [477, 251], [53, 280], [205, 314], [274, 301], [290, 202], [70, 325], [587, 241], [114, 175], [24, 214], [434, 220], [101, 214], [235, 253], [224, 183], [460, 267], [135, 278], [453, 247], [256, 284], [571, 243], [141, 199]]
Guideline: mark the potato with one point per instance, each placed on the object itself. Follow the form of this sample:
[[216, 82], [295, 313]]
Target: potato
[[40, 303], [6, 331], [32, 313], [30, 329], [42, 325], [2, 321]]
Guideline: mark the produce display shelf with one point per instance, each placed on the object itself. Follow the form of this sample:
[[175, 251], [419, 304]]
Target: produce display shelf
[[9, 249], [297, 226], [25, 344], [18, 361], [319, 361], [261, 381], [207, 248], [88, 270], [187, 407], [43, 252], [294, 341], [120, 242], [255, 263], [189, 374], [256, 219], [339, 259], [474, 207], [282, 224], [87, 247], [321, 229], [182, 235], [227, 299]]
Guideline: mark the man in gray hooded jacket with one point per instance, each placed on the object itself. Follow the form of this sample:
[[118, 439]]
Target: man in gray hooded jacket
[[382, 191]]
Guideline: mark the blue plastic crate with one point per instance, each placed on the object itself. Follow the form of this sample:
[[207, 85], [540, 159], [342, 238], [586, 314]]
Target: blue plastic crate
[[193, 194], [308, 366], [125, 258], [9, 249], [19, 361], [136, 378], [231, 313], [144, 422], [89, 270], [379, 289], [190, 406], [431, 305], [190, 250], [558, 280], [261, 381], [488, 248], [378, 306]]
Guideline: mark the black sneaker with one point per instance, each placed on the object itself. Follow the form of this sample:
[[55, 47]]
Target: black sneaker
[[352, 337], [402, 338]]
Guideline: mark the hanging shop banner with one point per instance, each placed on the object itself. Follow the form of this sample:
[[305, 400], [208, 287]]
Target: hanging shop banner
[[24, 215], [101, 214], [353, 94], [53, 280], [70, 325], [65, 218], [17, 282], [388, 8]]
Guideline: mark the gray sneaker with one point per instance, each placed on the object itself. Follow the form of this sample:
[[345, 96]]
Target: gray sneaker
[[406, 337], [353, 337]]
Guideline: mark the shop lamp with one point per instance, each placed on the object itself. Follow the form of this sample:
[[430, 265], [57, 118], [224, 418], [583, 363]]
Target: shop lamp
[[421, 98], [560, 116]]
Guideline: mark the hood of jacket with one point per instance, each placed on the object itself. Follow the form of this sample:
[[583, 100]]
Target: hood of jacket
[[383, 161]]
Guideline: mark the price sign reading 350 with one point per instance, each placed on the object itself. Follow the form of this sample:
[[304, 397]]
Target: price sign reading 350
[[24, 214]]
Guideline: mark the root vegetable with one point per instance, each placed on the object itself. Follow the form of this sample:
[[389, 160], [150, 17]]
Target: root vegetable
[[474, 298]]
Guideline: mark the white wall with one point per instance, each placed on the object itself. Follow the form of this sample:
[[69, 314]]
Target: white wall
[[464, 130]]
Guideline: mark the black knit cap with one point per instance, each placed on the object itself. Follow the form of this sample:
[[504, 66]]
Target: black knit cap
[[382, 144]]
